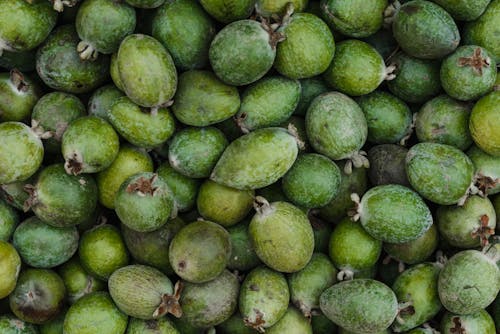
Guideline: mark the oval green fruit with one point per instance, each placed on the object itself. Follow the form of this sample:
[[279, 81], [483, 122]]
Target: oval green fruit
[[479, 322], [484, 123], [77, 281], [158, 326], [10, 265], [293, 322], [10, 324], [18, 96]]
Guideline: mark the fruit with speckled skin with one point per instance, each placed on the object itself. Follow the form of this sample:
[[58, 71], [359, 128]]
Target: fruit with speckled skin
[[158, 326], [25, 24], [268, 102], [487, 166], [44, 246], [307, 284], [425, 30], [102, 251], [38, 296], [211, 303], [267, 8], [308, 47], [10, 265], [10, 324], [18, 95], [439, 172], [464, 10], [203, 99], [148, 4], [484, 124], [469, 282], [310, 89], [102, 99], [243, 256], [200, 251], [257, 159], [21, 152], [250, 60], [9, 218], [345, 331], [89, 145], [418, 286], [183, 188], [77, 281], [13, 193], [147, 71], [226, 12], [417, 250], [95, 313], [293, 322], [387, 165], [235, 325], [479, 322], [346, 304], [354, 18], [312, 182], [264, 298]]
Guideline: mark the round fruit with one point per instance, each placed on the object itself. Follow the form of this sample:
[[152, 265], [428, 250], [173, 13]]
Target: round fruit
[[184, 189], [484, 124], [102, 99], [293, 322], [77, 282], [479, 322], [18, 96], [10, 265]]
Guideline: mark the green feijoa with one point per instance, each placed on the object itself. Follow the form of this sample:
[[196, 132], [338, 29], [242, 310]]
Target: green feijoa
[[54, 326], [227, 12], [10, 324], [38, 296], [151, 248], [416, 290], [387, 165], [469, 282], [252, 57], [256, 159], [425, 30], [264, 298], [467, 226], [243, 256], [487, 170], [157, 326], [292, 322], [44, 246], [360, 305], [389, 119], [210, 303], [308, 47], [352, 249], [478, 322], [200, 251], [322, 325], [354, 18], [114, 72], [194, 152], [52, 115], [18, 96], [77, 281], [60, 67], [417, 250], [310, 89], [417, 80], [393, 213], [235, 325], [268, 8], [184, 189], [147, 4], [297, 126], [102, 99], [89, 145], [312, 181], [95, 313], [484, 30], [444, 120], [355, 182], [144, 292], [426, 329], [224, 205], [186, 31], [345, 331], [60, 199], [102, 251], [281, 235], [10, 265], [468, 73], [439, 172], [268, 102], [307, 284], [147, 71], [129, 161], [202, 99], [9, 218], [185, 327], [464, 10], [98, 38], [484, 124], [25, 24], [13, 193], [23, 61]]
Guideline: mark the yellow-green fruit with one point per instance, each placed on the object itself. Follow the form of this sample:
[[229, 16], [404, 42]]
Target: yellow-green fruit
[[484, 123], [10, 264]]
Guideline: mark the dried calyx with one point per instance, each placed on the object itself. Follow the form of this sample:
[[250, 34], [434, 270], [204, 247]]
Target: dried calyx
[[405, 308], [74, 165], [17, 79], [358, 160], [483, 231], [170, 303], [274, 23], [143, 186], [86, 51], [262, 206], [295, 133], [476, 61], [355, 212], [39, 131], [32, 199], [485, 183], [60, 4], [259, 322]]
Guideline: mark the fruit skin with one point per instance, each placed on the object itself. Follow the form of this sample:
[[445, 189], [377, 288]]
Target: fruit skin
[[102, 99], [463, 10], [387, 165], [243, 256], [425, 30], [13, 193], [484, 124], [308, 47], [21, 152], [18, 95], [322, 325], [44, 246], [60, 67], [10, 265], [310, 89], [228, 12], [235, 325], [210, 303], [479, 322], [345, 303], [415, 251], [486, 166], [292, 322], [148, 4], [159, 326], [439, 172], [9, 324], [95, 313], [186, 31], [183, 188], [256, 160], [466, 269], [281, 235], [203, 99], [147, 71], [200, 251], [247, 63], [77, 282], [9, 218]]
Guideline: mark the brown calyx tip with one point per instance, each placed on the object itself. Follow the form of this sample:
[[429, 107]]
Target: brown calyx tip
[[292, 129], [32, 198], [240, 122], [261, 205], [17, 79], [74, 165], [306, 310], [483, 232], [476, 61], [143, 186], [170, 303], [485, 183], [457, 329], [355, 213], [259, 322], [405, 308]]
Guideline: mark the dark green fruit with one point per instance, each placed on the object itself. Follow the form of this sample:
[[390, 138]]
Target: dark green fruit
[[10, 324], [479, 322], [24, 61], [54, 326], [102, 99], [158, 326], [10, 265], [18, 95], [235, 325], [293, 322], [322, 325], [183, 188], [9, 218], [226, 12], [149, 4], [484, 124], [243, 256], [487, 170], [310, 89], [417, 250], [464, 10], [77, 282], [387, 165]]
